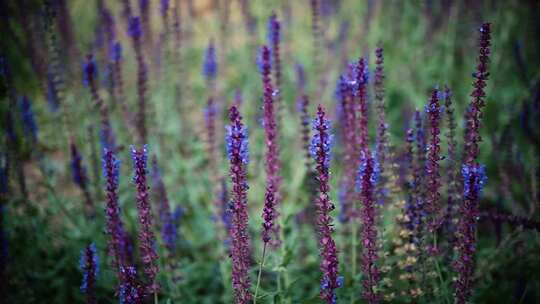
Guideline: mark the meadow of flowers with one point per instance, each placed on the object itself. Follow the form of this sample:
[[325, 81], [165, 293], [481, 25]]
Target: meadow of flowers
[[237, 151]]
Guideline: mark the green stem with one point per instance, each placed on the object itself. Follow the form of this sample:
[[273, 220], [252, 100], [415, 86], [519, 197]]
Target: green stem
[[260, 272]]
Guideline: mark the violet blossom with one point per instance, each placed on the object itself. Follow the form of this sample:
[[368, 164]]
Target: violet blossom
[[89, 264]]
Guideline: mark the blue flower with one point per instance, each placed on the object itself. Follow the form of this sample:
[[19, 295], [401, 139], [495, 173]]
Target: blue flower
[[241, 134], [134, 27], [316, 141], [28, 119], [210, 66], [474, 177]]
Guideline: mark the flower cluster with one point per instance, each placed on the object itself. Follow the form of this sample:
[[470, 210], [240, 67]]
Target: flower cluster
[[274, 38], [146, 234], [320, 151], [115, 228], [89, 264], [272, 153], [210, 67], [168, 226], [362, 105], [433, 185], [78, 171], [131, 290], [237, 149], [368, 174]]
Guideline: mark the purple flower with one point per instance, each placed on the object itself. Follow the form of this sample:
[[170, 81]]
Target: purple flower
[[474, 178], [382, 127], [134, 27], [320, 151], [240, 249], [168, 225], [210, 123], [433, 110], [473, 116], [272, 162], [274, 38], [146, 235], [300, 78], [367, 179], [164, 7], [115, 228], [80, 177], [131, 290], [362, 106], [116, 51], [473, 175], [89, 264], [210, 67], [303, 106], [29, 122], [90, 70]]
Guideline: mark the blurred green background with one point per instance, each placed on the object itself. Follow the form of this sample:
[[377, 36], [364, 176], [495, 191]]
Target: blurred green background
[[426, 44]]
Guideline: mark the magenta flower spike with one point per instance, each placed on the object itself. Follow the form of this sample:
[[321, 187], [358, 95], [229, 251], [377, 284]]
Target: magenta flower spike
[[274, 39], [433, 183], [320, 151], [272, 162], [115, 228], [473, 175], [80, 177], [368, 175], [147, 240], [237, 151]]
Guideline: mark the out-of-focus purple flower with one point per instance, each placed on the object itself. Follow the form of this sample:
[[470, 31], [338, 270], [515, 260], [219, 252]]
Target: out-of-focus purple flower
[[300, 78], [362, 106], [274, 39], [272, 161], [210, 113], [131, 290], [29, 122], [381, 145], [89, 264], [90, 79], [320, 151], [116, 51], [433, 185], [164, 7], [303, 105], [366, 182], [134, 27], [140, 118], [210, 67], [80, 178], [115, 227], [147, 239], [240, 250], [168, 226], [238, 98]]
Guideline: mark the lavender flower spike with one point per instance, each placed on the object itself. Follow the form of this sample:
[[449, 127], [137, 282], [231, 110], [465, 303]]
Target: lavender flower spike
[[274, 38], [368, 174], [168, 227], [115, 229], [89, 264], [80, 177], [237, 151], [320, 151], [210, 67], [146, 235], [473, 175], [272, 153], [433, 110]]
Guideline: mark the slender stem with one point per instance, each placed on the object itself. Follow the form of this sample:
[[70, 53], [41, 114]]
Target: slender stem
[[156, 298], [353, 255], [260, 272]]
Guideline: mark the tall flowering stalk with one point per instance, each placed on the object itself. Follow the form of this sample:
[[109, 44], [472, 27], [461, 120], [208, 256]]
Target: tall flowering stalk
[[177, 43], [362, 106], [316, 33], [90, 79], [303, 106], [368, 174], [144, 9], [146, 235], [274, 39], [116, 59], [237, 151], [210, 66], [272, 162], [320, 151], [452, 164], [381, 147], [473, 175], [418, 189], [433, 183], [115, 228], [210, 113], [89, 264], [345, 87], [80, 177], [135, 31]]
